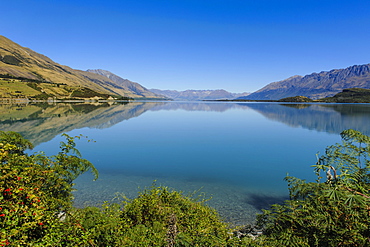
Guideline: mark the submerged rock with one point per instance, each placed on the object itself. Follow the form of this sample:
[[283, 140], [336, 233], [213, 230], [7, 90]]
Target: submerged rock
[[251, 231]]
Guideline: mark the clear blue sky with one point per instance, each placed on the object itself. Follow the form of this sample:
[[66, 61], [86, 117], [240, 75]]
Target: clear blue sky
[[237, 45]]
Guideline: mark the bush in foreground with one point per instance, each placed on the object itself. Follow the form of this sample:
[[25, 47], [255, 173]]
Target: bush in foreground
[[36, 205], [36, 192], [334, 210], [157, 217]]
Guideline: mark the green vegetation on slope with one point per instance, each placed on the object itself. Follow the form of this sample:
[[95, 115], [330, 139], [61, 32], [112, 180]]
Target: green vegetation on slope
[[350, 95], [18, 88], [296, 99], [36, 205]]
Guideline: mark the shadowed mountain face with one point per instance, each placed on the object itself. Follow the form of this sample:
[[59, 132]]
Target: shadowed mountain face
[[41, 123], [19, 61], [316, 85]]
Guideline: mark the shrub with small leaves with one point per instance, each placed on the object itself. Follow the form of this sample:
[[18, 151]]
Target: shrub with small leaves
[[334, 210], [163, 217], [34, 189]]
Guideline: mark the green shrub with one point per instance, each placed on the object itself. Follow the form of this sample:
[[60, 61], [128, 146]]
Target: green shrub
[[103, 225], [334, 212], [162, 216], [157, 217], [34, 190]]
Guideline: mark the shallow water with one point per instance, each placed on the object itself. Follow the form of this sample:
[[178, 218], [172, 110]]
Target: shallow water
[[235, 153]]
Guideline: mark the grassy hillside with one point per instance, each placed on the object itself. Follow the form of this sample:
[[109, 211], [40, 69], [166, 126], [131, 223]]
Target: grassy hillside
[[22, 62], [11, 88]]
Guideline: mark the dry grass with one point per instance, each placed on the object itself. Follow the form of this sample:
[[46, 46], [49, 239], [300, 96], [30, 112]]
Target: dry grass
[[11, 89]]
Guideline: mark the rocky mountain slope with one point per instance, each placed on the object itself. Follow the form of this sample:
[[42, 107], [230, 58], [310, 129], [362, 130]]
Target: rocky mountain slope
[[126, 84], [315, 85], [198, 94], [19, 61]]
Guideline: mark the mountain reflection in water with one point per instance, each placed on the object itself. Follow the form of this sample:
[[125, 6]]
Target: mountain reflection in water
[[330, 118], [42, 122]]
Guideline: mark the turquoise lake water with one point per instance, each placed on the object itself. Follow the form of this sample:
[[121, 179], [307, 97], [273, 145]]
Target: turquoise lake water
[[237, 154]]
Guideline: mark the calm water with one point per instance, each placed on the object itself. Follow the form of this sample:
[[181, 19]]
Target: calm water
[[235, 153]]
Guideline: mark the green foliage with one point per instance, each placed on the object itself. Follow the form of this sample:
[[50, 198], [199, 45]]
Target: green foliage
[[160, 216], [157, 217], [13, 138], [34, 190], [104, 225], [334, 212]]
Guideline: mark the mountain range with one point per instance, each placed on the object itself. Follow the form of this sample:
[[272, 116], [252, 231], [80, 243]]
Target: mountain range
[[198, 94], [315, 85], [40, 77], [22, 62]]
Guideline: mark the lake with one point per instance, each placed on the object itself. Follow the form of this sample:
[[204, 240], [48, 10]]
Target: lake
[[236, 154]]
